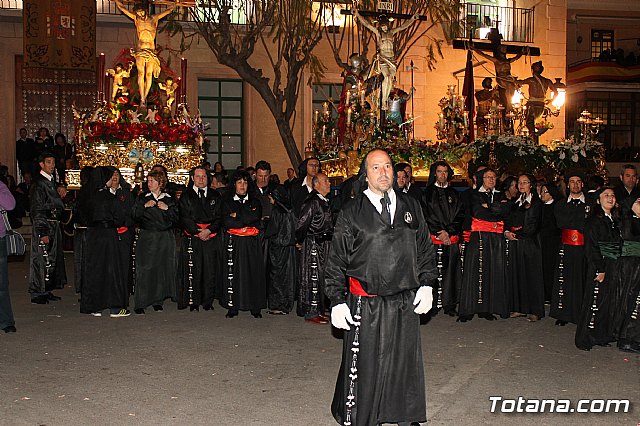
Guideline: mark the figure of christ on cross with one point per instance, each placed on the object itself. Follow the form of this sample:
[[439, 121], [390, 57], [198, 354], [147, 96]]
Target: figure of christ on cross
[[386, 52], [147, 61]]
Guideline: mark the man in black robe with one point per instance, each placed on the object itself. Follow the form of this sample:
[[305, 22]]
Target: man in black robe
[[313, 234], [568, 282], [263, 174], [201, 251], [484, 283], [444, 214], [301, 187], [47, 269], [381, 245], [26, 153], [628, 184]]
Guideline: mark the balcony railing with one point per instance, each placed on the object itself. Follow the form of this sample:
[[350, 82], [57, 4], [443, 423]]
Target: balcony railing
[[515, 24], [107, 7]]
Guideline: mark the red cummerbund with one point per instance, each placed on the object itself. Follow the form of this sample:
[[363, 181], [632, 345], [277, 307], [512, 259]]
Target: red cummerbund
[[122, 229], [356, 288], [572, 237], [247, 231], [478, 225], [454, 239], [466, 236]]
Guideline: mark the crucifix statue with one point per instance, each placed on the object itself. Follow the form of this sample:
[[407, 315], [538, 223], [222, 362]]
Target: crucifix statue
[[147, 61], [386, 55]]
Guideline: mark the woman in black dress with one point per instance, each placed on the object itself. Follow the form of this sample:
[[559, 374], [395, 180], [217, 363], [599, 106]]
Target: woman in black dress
[[602, 248], [524, 258], [156, 213]]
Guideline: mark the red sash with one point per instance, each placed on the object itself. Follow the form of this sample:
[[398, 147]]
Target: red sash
[[247, 231], [454, 239], [572, 237], [202, 226], [466, 236], [122, 229], [478, 225], [356, 288]]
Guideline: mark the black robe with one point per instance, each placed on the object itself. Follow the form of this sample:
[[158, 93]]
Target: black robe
[[602, 248], [415, 192], [524, 258], [155, 251], [484, 283], [549, 245], [47, 269], [282, 274], [105, 283], [81, 221], [244, 281], [443, 211], [299, 193], [569, 279], [381, 377], [626, 306], [622, 194], [125, 202], [313, 230], [200, 262]]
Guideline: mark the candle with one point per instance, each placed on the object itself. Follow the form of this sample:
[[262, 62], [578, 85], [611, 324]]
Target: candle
[[348, 96], [324, 129], [349, 116], [315, 116], [325, 107], [441, 120], [362, 97], [183, 89], [465, 116], [101, 60], [461, 100], [105, 87]]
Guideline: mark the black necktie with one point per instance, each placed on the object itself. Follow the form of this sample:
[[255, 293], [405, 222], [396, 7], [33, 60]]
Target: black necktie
[[490, 193], [386, 213], [576, 201], [201, 193]]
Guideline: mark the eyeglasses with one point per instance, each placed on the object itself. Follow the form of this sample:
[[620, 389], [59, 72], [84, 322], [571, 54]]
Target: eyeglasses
[[525, 182]]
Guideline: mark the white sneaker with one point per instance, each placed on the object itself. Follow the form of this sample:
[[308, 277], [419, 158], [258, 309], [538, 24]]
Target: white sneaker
[[96, 314], [121, 313]]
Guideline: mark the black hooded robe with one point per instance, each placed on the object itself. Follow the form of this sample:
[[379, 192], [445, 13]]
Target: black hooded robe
[[381, 378], [602, 248], [200, 262], [626, 320]]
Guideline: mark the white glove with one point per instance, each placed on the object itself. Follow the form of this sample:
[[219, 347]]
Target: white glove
[[424, 300], [341, 316]]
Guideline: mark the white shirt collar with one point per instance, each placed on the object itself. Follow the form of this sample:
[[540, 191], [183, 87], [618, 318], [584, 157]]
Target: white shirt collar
[[46, 175], [375, 200], [609, 216], [160, 197], [581, 198], [522, 199], [237, 198], [444, 185], [114, 190], [195, 189], [307, 183], [323, 198], [483, 189]]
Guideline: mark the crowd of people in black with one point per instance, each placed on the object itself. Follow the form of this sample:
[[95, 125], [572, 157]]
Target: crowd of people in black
[[252, 243], [619, 57]]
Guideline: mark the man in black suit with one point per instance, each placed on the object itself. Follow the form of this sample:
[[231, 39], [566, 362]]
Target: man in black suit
[[627, 186], [26, 152], [403, 180]]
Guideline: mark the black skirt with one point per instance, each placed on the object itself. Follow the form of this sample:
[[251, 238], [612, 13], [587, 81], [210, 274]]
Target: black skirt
[[568, 284], [244, 284], [155, 267]]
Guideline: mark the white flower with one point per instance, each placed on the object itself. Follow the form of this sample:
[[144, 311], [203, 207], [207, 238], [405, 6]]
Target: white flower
[[574, 158], [561, 156]]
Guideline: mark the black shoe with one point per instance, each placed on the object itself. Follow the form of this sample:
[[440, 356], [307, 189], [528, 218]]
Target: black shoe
[[40, 300], [208, 307], [561, 323], [9, 329], [139, 311], [629, 347], [157, 308], [53, 297], [192, 308], [451, 312], [464, 318], [256, 314], [488, 317], [231, 313]]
